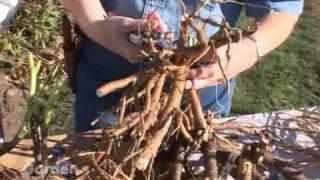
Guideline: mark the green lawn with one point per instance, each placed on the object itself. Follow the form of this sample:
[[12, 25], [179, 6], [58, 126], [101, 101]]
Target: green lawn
[[288, 77]]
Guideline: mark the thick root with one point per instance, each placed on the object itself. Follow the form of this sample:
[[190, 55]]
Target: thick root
[[176, 94], [197, 109], [177, 166], [210, 159], [152, 147], [115, 85]]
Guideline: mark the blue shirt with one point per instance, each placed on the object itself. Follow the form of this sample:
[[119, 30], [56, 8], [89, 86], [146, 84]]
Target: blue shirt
[[98, 65], [170, 13], [170, 10], [108, 66]]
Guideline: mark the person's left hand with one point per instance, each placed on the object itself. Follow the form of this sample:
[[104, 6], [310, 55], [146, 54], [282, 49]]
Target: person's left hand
[[243, 55]]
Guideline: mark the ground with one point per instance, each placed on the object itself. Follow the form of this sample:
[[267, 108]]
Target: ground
[[289, 77]]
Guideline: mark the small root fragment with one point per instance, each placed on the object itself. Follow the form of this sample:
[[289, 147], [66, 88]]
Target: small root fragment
[[241, 127], [123, 103], [129, 122], [185, 133], [102, 174], [245, 169], [150, 85]]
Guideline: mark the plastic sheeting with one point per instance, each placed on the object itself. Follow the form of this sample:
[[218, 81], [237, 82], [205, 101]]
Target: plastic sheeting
[[8, 9]]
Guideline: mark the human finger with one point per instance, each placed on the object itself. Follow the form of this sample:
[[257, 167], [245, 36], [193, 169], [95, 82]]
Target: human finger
[[134, 24], [133, 54], [202, 83], [201, 72]]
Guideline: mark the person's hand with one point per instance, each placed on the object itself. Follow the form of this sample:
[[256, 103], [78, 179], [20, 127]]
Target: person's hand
[[243, 55], [113, 32], [116, 30], [110, 32]]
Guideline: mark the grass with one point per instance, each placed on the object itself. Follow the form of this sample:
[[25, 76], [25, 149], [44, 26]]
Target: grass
[[36, 29], [289, 77]]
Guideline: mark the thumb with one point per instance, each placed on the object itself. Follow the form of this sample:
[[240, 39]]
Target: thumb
[[135, 24]]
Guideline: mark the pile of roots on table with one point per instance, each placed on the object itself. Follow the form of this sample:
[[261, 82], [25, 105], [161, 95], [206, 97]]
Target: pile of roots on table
[[160, 125]]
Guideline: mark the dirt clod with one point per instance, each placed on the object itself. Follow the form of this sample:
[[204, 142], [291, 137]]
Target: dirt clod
[[12, 109]]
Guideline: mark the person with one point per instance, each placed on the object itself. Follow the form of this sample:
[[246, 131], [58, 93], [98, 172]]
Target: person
[[106, 54]]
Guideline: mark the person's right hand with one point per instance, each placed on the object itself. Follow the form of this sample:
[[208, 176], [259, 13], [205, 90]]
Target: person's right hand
[[113, 32]]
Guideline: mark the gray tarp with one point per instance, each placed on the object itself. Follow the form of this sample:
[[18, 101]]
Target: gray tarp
[[286, 125], [8, 9]]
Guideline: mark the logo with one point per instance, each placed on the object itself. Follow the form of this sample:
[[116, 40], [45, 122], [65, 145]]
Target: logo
[[64, 169]]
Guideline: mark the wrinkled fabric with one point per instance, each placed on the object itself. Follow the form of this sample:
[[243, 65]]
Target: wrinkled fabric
[[98, 65], [8, 9], [260, 8]]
